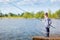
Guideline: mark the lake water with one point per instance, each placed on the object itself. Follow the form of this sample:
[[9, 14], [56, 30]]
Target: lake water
[[25, 29]]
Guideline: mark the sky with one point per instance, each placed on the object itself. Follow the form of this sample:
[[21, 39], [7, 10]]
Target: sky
[[19, 6]]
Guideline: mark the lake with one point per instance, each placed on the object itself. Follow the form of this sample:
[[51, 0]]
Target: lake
[[25, 29]]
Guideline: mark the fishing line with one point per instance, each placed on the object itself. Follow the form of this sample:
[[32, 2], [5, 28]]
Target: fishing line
[[17, 7]]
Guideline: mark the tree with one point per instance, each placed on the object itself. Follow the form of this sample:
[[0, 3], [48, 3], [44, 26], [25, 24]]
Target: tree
[[6, 15], [39, 14], [42, 14], [54, 15], [49, 14], [18, 15], [22, 14], [12, 15], [27, 15], [1, 14], [58, 13]]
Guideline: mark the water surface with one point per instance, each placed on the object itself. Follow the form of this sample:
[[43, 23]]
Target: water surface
[[25, 29]]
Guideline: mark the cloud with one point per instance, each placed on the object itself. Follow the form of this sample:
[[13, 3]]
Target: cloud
[[4, 0], [24, 2], [55, 1], [27, 2]]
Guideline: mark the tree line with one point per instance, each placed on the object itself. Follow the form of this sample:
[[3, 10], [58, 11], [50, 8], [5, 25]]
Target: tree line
[[39, 14]]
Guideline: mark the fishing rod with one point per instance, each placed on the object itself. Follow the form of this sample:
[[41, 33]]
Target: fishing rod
[[49, 25], [16, 6], [23, 10], [40, 31], [52, 26]]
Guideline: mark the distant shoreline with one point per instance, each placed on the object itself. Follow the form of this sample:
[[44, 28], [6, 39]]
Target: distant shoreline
[[27, 18], [23, 18]]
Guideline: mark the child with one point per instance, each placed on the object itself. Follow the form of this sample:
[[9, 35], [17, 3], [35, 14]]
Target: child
[[47, 22]]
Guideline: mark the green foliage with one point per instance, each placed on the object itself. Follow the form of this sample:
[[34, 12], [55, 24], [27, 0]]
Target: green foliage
[[49, 14], [27, 15], [54, 15], [12, 15], [39, 14], [58, 13], [6, 15]]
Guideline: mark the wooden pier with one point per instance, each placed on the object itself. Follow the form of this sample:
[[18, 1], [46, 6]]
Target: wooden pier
[[45, 38]]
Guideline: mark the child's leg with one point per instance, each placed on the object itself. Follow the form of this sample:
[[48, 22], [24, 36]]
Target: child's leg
[[47, 30]]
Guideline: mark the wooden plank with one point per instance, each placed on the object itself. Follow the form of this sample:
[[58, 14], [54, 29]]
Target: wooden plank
[[45, 38]]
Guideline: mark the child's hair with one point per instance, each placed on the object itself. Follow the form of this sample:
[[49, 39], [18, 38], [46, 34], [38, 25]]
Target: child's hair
[[46, 14]]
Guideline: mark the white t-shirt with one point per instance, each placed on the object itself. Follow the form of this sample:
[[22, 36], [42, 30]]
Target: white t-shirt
[[47, 22]]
